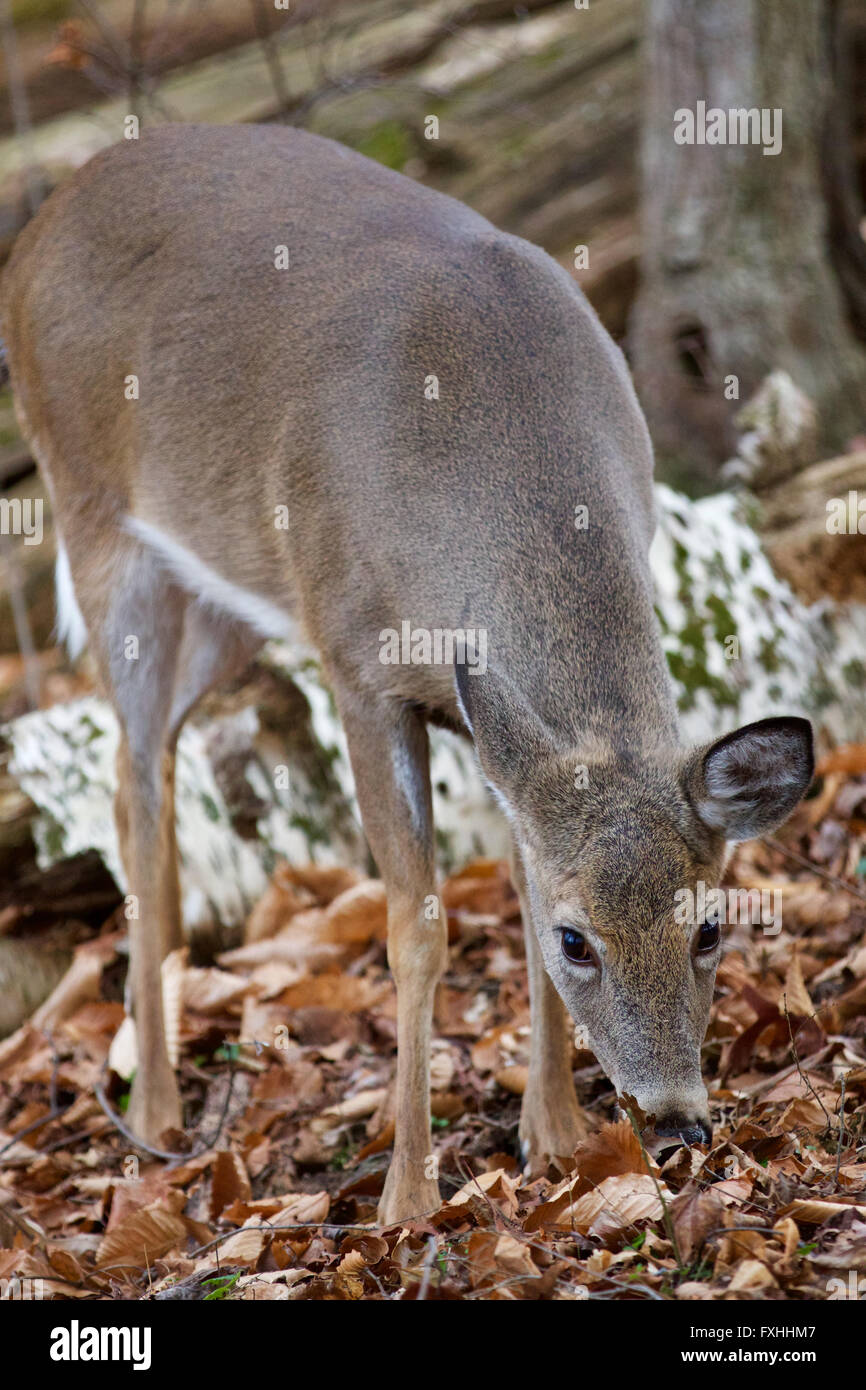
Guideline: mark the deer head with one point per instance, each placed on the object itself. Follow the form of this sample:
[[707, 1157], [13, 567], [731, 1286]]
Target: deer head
[[613, 842]]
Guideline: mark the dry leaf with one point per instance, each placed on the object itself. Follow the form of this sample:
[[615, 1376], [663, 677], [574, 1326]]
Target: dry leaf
[[230, 1182]]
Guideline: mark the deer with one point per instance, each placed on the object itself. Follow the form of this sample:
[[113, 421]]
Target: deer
[[207, 324]]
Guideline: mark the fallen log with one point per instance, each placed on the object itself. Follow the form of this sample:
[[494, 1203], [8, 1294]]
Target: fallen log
[[263, 772], [813, 526]]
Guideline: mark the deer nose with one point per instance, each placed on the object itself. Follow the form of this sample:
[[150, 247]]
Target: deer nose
[[687, 1131]]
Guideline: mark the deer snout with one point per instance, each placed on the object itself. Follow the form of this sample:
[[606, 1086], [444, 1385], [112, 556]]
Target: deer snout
[[680, 1113], [688, 1131]]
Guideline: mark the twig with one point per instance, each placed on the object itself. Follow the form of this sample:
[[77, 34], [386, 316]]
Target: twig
[[666, 1216], [813, 868], [267, 1227], [806, 1082], [20, 107], [136, 47], [197, 1149], [499, 1217], [127, 1133], [37, 1124], [131, 72], [54, 1109], [209, 1143], [427, 1269], [842, 1131], [271, 53]]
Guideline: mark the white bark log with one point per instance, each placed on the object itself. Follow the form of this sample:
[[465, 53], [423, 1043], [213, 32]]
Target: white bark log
[[740, 643]]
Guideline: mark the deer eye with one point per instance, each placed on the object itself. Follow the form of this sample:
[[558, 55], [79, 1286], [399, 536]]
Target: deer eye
[[708, 937], [575, 948]]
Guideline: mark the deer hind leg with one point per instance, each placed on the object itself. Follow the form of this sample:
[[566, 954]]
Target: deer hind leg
[[552, 1123], [390, 759], [157, 653]]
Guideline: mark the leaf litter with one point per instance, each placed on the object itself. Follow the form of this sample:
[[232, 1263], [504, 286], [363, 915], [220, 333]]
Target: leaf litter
[[286, 1051]]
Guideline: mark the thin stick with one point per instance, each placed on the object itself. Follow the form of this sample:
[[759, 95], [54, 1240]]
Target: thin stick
[[127, 1133], [666, 1216], [813, 868], [271, 53], [20, 108], [426, 1271], [842, 1131], [803, 1077]]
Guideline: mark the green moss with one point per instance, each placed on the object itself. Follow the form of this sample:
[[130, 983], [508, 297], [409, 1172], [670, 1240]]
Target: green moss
[[53, 839], [718, 570], [514, 147], [724, 625], [388, 142], [692, 635], [40, 11], [314, 833], [678, 471], [821, 695], [693, 676], [854, 671], [767, 654], [91, 731], [750, 511], [548, 56], [681, 566]]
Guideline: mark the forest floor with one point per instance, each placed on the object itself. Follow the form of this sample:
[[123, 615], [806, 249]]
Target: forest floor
[[287, 1052]]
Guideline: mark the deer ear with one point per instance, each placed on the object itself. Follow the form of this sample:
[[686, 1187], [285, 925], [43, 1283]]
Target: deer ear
[[750, 781], [509, 737]]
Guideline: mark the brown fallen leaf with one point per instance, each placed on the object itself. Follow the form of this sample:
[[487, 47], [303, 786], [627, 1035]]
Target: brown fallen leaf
[[144, 1235], [795, 995], [694, 1215], [513, 1079], [245, 1246], [345, 993], [850, 758], [617, 1204], [303, 1209], [751, 1275], [211, 991], [230, 1182], [358, 915], [817, 1211], [495, 1185], [610, 1150]]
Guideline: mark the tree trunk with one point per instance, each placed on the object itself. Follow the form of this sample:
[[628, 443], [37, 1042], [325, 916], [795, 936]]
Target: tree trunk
[[750, 261]]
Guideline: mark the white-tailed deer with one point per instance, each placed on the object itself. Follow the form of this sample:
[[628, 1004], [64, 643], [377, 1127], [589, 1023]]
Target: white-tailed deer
[[212, 324]]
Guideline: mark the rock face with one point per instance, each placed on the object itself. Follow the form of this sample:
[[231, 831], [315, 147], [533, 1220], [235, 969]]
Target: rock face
[[263, 772]]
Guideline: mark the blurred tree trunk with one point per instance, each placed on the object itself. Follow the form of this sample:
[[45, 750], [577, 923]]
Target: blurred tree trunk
[[749, 261]]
